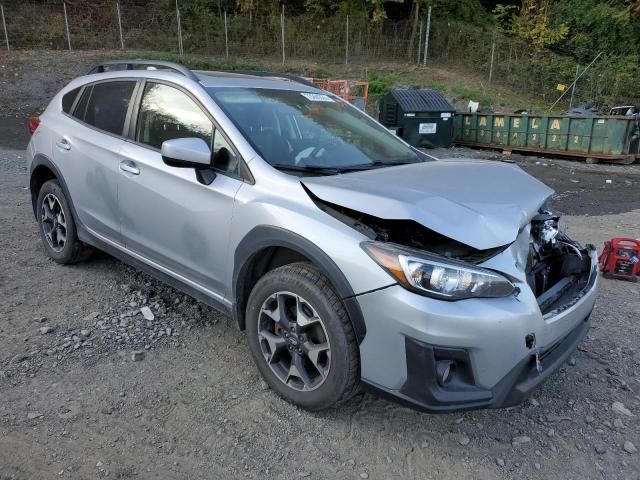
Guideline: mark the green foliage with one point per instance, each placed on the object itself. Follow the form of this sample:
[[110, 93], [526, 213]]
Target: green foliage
[[468, 11], [595, 26], [370, 9], [531, 23], [380, 83]]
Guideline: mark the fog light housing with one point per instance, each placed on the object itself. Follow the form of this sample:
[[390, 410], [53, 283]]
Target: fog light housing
[[444, 371]]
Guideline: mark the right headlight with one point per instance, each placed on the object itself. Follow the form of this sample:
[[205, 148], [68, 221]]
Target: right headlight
[[435, 276]]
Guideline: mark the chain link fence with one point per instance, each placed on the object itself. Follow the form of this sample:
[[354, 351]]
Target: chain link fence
[[184, 29]]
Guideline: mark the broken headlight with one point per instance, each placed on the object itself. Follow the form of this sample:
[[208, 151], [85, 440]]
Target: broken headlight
[[437, 277]]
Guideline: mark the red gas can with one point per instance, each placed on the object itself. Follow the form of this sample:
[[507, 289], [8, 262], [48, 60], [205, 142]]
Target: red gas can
[[620, 258]]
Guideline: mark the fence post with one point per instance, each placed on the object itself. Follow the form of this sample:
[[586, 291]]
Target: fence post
[[4, 24], [493, 51], [120, 25], [66, 24], [420, 42], [346, 44], [282, 31], [180, 50], [426, 37], [226, 35], [573, 89]]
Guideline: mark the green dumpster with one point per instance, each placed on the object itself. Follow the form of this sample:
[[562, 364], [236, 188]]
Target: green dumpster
[[609, 138], [422, 117]]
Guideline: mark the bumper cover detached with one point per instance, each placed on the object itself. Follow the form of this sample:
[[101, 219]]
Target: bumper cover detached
[[424, 392]]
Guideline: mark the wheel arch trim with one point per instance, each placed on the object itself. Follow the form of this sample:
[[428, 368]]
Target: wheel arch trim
[[267, 236], [40, 160]]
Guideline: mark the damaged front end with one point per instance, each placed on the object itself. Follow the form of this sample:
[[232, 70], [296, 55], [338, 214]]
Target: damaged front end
[[558, 269], [408, 233]]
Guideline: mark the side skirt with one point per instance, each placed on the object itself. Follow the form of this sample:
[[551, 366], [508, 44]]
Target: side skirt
[[86, 236]]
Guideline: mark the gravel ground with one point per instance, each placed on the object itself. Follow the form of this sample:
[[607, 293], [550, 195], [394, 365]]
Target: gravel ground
[[90, 388]]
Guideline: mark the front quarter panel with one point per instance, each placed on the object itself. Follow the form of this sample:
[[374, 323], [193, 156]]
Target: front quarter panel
[[279, 200]]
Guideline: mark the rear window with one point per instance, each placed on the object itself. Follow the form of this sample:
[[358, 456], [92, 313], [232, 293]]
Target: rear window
[[104, 105], [68, 99]]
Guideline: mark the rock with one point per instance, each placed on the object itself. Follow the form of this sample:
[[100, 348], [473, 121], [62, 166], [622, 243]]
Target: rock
[[464, 441], [34, 415], [500, 462], [572, 362], [45, 330], [20, 357], [600, 449], [107, 410], [364, 475], [85, 333], [521, 440], [589, 419], [137, 355], [618, 423], [304, 474], [558, 418], [40, 319], [620, 409], [147, 313], [534, 402], [91, 316], [263, 385], [630, 447], [537, 466]]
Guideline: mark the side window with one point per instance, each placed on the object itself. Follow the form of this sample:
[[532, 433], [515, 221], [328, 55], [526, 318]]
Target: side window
[[68, 99], [81, 107], [224, 158], [104, 105], [167, 113]]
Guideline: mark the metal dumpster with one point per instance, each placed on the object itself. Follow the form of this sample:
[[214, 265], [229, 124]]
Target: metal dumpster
[[422, 117], [609, 138]]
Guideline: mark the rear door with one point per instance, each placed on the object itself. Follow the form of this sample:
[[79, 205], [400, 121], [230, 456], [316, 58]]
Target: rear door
[[88, 140], [167, 215]]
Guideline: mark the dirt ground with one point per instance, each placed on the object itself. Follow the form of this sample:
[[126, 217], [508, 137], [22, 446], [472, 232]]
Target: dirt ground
[[74, 404]]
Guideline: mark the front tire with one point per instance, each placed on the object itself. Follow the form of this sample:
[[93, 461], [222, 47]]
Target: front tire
[[301, 339], [57, 227]]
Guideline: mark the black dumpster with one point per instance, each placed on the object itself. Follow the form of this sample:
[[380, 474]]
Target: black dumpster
[[422, 117]]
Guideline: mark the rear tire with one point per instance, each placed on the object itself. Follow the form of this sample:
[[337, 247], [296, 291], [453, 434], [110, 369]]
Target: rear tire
[[57, 227], [308, 354]]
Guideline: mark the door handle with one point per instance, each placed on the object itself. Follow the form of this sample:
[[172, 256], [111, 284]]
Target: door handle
[[129, 167], [63, 144]]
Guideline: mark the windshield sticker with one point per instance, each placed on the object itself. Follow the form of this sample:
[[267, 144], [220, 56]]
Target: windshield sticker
[[317, 97]]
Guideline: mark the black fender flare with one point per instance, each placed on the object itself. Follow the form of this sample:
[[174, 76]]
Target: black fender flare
[[44, 161], [266, 236]]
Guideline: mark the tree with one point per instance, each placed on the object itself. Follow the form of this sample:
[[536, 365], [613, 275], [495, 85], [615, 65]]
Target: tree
[[531, 23]]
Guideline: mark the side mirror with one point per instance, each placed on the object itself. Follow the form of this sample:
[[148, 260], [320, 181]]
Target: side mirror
[[186, 153]]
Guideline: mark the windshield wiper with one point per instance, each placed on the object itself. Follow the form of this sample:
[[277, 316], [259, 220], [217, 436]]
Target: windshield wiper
[[325, 170], [308, 168], [372, 165]]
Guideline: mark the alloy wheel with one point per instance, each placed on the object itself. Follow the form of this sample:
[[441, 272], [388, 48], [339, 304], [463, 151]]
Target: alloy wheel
[[54, 223], [294, 341]]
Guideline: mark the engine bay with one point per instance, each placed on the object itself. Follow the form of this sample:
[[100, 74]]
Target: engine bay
[[558, 268]]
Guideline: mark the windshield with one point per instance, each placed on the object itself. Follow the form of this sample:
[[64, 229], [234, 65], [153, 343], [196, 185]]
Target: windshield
[[304, 130]]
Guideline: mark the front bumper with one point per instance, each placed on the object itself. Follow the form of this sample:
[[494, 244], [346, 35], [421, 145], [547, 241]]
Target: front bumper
[[488, 341]]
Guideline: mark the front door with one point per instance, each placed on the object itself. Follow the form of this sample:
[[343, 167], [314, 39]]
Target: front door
[[167, 215]]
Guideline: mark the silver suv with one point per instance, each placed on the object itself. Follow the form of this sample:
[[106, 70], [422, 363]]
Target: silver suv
[[350, 258]]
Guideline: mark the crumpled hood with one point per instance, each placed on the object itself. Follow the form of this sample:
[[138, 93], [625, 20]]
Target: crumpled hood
[[480, 203]]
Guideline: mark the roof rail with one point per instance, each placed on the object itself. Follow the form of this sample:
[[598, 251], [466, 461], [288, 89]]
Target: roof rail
[[131, 64], [276, 75]]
